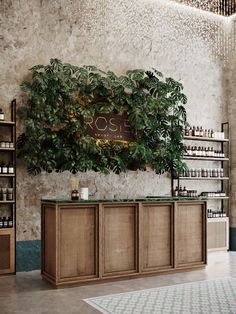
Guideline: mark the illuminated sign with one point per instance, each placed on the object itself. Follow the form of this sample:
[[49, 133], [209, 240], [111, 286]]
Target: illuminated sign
[[109, 127]]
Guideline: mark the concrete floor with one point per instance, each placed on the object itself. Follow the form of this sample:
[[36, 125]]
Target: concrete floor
[[27, 293]]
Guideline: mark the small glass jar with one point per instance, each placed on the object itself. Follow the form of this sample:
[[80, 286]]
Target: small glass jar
[[10, 194], [74, 195], [10, 168], [4, 194], [4, 168], [2, 115]]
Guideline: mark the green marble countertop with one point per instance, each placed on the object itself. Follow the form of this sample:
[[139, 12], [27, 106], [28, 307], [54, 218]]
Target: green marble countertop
[[115, 200]]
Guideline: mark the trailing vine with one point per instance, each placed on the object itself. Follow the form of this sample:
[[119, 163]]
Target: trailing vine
[[60, 97]]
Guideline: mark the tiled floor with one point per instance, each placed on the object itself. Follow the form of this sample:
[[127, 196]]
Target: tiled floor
[[27, 293]]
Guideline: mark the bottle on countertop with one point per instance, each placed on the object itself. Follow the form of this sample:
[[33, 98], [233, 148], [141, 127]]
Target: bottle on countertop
[[74, 195]]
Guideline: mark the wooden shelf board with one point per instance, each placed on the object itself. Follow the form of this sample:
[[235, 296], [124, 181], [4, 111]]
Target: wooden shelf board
[[7, 175], [7, 202], [217, 218], [201, 178], [208, 139], [7, 123], [7, 148], [205, 158], [11, 228], [217, 198]]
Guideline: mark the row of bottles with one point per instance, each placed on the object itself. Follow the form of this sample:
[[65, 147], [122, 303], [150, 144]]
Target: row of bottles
[[213, 194], [6, 168], [6, 222], [202, 173], [179, 191], [200, 132], [215, 214], [6, 194], [4, 144], [200, 151]]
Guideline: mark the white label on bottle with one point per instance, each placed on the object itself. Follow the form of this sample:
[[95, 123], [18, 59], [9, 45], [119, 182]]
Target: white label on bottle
[[10, 170]]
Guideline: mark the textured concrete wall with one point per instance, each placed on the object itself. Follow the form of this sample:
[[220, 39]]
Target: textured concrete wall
[[180, 41], [230, 100]]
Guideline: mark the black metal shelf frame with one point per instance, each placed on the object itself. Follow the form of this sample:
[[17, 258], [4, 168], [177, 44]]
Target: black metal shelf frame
[[12, 177], [225, 164]]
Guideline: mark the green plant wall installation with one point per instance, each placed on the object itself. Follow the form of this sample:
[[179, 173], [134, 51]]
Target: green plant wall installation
[[60, 99]]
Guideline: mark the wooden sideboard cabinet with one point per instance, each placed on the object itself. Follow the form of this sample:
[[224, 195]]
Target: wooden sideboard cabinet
[[7, 251], [86, 242]]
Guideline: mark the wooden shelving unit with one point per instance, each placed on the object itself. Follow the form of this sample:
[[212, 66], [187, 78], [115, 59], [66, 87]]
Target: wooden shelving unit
[[8, 235]]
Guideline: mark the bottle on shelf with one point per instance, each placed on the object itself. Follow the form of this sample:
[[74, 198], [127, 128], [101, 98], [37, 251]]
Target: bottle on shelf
[[197, 132], [201, 132], [9, 222], [10, 194], [186, 131], [209, 213], [10, 168], [2, 115], [185, 192], [4, 168], [176, 191], [190, 132], [5, 223]]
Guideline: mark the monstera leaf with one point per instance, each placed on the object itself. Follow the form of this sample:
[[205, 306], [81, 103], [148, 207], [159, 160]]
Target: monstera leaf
[[60, 99]]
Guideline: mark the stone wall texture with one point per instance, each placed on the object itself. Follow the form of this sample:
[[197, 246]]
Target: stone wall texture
[[182, 42]]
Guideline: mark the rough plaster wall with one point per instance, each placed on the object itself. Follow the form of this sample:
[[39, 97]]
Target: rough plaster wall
[[115, 35]]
